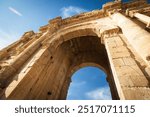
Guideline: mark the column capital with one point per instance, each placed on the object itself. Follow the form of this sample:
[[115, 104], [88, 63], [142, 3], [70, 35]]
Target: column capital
[[108, 33]]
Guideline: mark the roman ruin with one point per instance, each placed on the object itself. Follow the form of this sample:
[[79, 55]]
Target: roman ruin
[[115, 39]]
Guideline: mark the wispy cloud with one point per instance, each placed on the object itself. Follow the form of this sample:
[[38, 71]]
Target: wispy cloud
[[99, 94], [74, 90], [14, 11], [71, 10], [78, 84]]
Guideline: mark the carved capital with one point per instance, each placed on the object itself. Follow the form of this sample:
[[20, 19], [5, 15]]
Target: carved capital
[[131, 13], [129, 10], [107, 33]]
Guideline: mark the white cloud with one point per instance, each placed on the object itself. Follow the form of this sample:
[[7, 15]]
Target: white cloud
[[100, 94], [74, 89], [14, 11], [71, 10], [77, 84]]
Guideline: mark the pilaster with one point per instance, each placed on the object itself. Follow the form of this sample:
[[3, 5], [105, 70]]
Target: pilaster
[[129, 79]]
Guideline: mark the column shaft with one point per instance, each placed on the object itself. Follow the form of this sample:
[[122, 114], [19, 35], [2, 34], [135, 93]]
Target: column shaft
[[137, 37], [145, 19], [129, 80]]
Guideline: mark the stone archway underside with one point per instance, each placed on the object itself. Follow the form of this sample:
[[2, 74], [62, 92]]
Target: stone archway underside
[[39, 65], [86, 51]]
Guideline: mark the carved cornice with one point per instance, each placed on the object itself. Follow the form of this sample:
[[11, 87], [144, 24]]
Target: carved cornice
[[111, 7], [133, 4], [83, 17], [139, 14], [130, 12], [107, 10], [58, 22], [43, 29], [13, 48]]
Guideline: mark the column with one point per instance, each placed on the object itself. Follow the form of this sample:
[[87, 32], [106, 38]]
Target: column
[[137, 37], [129, 80], [145, 19]]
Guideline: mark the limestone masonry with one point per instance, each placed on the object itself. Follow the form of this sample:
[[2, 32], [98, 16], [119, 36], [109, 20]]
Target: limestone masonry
[[116, 39]]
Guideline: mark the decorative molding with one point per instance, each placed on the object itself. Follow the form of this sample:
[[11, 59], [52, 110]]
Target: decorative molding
[[133, 4], [108, 33], [130, 12]]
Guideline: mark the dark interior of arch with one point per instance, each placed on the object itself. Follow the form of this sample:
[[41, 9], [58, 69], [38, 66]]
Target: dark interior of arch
[[86, 49]]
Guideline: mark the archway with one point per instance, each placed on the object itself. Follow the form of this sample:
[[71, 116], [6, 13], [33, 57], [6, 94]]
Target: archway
[[47, 72], [86, 51], [39, 65], [53, 82], [89, 83]]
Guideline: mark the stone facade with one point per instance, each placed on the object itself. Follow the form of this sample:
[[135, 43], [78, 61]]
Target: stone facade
[[116, 39]]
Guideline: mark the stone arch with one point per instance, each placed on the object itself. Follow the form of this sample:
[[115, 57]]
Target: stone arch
[[82, 65], [30, 68], [93, 28], [53, 44], [89, 31], [65, 34], [75, 69], [109, 77], [99, 60]]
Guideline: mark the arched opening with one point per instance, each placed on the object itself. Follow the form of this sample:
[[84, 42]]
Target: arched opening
[[58, 62], [89, 83], [82, 52]]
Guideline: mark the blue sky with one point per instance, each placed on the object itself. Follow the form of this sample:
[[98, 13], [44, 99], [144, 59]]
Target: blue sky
[[19, 16], [89, 83]]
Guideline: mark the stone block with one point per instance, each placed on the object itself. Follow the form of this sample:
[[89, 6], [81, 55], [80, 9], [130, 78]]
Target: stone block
[[129, 61], [118, 62], [129, 71]]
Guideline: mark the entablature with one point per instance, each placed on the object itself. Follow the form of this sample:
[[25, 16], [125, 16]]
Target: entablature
[[145, 9]]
